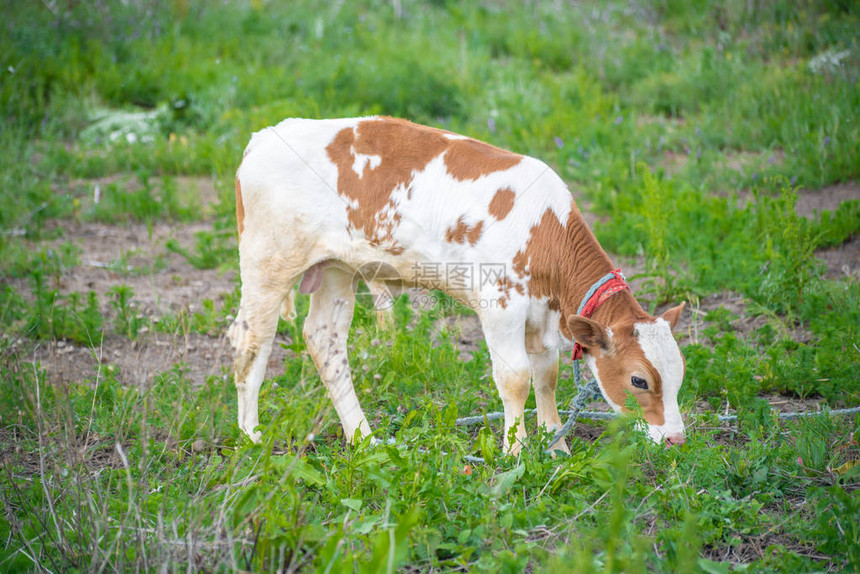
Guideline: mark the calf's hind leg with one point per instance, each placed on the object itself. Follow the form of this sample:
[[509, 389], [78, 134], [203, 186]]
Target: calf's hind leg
[[251, 334], [325, 331]]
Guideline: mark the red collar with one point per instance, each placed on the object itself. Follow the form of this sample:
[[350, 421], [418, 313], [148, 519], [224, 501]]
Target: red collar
[[606, 287]]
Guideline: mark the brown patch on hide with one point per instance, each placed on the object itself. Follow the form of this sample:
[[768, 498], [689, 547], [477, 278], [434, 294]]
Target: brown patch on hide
[[502, 203], [561, 261], [240, 208], [404, 149], [468, 159], [401, 154], [457, 234], [462, 232], [475, 233], [505, 284]]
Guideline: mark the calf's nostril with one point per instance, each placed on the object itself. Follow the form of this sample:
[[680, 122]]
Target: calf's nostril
[[675, 440]]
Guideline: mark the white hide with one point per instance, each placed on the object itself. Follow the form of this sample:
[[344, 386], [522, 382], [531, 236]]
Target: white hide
[[363, 162], [662, 351]]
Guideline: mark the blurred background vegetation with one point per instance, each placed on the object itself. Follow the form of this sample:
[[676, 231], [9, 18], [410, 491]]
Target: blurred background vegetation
[[692, 130]]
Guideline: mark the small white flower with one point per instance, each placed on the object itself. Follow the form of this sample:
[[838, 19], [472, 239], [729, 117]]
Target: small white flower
[[829, 61]]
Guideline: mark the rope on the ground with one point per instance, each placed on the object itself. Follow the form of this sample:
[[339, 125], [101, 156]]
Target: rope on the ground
[[590, 391], [587, 392], [608, 415], [797, 414]]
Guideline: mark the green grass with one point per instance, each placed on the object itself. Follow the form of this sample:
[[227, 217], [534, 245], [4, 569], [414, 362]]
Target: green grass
[[659, 114]]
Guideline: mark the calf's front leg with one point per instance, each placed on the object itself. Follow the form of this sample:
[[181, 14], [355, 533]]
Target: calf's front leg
[[545, 378], [505, 337]]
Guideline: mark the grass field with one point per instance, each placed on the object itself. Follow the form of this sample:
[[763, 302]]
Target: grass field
[[714, 144]]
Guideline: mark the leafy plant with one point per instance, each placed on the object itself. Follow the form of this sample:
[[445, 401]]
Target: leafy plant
[[789, 243], [128, 321], [211, 249], [837, 515], [54, 316], [145, 204]]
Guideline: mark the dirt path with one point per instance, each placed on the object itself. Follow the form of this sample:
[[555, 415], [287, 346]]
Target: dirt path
[[162, 280]]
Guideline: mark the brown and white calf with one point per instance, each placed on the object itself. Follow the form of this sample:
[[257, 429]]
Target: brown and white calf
[[318, 199]]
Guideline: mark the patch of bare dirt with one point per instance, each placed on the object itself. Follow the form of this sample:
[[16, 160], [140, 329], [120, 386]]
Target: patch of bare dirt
[[784, 404], [691, 323], [25, 465], [163, 283], [746, 161], [755, 547], [135, 255], [467, 331], [742, 162], [673, 161], [776, 402], [812, 202], [585, 431], [842, 260], [136, 362]]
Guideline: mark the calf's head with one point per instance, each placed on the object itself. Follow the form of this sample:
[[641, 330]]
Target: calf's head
[[642, 358]]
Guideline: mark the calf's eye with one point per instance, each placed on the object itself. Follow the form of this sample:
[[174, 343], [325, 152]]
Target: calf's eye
[[639, 383]]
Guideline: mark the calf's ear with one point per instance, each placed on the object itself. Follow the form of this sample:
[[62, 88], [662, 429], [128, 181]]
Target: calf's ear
[[671, 316], [588, 333]]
